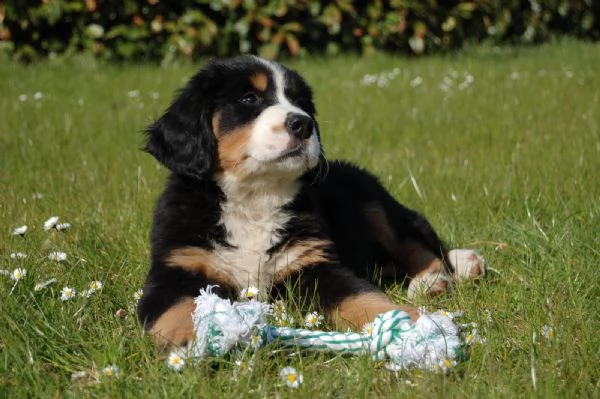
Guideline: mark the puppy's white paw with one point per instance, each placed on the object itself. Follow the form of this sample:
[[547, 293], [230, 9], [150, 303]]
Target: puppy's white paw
[[468, 264], [428, 284]]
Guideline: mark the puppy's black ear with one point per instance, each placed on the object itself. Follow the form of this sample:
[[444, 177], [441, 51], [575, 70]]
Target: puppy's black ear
[[182, 138]]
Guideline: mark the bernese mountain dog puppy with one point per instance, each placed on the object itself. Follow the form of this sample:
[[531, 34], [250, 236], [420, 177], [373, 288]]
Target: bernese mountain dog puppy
[[252, 201]]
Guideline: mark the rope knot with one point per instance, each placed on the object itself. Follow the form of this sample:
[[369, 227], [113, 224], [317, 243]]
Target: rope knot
[[430, 341]]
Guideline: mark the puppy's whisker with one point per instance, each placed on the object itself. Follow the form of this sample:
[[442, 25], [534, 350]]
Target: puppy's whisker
[[322, 171], [326, 162]]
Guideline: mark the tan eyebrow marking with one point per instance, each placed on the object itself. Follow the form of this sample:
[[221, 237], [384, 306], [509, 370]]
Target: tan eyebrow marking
[[260, 81]]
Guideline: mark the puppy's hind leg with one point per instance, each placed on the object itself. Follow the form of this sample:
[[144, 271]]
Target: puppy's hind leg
[[412, 245]]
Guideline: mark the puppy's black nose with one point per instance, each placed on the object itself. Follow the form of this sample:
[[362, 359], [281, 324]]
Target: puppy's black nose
[[298, 125]]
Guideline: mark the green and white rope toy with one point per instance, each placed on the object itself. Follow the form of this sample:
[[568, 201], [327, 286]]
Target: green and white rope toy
[[429, 343]]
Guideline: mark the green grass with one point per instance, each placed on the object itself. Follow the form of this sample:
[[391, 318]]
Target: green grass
[[508, 166]]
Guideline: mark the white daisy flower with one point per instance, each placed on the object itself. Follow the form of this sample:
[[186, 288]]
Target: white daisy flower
[[451, 315], [368, 79], [367, 329], [23, 97], [78, 375], [19, 231], [95, 286], [313, 319], [38, 95], [416, 81], [548, 332], [37, 196], [474, 338], [446, 364], [137, 295], [18, 255], [457, 314], [133, 93], [175, 361], [284, 319], [249, 293], [45, 284], [62, 226], [291, 377], [256, 341], [245, 367], [278, 307], [67, 293], [18, 274], [50, 223], [57, 256], [111, 371]]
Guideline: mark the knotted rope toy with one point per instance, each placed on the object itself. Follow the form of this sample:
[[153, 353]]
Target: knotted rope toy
[[432, 342]]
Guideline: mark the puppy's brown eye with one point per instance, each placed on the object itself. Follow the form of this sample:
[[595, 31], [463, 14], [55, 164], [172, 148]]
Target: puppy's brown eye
[[250, 99]]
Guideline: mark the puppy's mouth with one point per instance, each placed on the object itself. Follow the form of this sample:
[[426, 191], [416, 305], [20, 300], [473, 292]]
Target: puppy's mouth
[[295, 151]]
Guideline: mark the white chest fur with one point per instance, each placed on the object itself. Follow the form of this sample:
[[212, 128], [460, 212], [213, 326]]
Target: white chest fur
[[253, 219]]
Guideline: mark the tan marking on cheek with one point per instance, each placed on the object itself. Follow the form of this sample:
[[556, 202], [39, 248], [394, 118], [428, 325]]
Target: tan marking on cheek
[[304, 254], [200, 261], [232, 148], [260, 81], [355, 311], [174, 327]]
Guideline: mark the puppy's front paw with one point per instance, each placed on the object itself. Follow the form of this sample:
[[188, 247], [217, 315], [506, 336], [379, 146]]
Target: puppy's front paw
[[468, 264], [428, 284]]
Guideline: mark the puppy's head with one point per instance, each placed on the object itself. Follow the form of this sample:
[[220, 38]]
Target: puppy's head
[[245, 117]]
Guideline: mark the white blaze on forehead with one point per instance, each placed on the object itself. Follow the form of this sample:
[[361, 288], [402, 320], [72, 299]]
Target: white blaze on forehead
[[279, 79]]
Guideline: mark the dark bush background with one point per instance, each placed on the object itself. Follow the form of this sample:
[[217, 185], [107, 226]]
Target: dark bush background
[[163, 30]]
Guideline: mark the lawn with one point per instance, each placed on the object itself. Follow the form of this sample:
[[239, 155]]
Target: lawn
[[500, 148]]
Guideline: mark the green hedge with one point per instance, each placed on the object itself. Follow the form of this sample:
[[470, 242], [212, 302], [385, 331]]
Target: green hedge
[[163, 30]]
